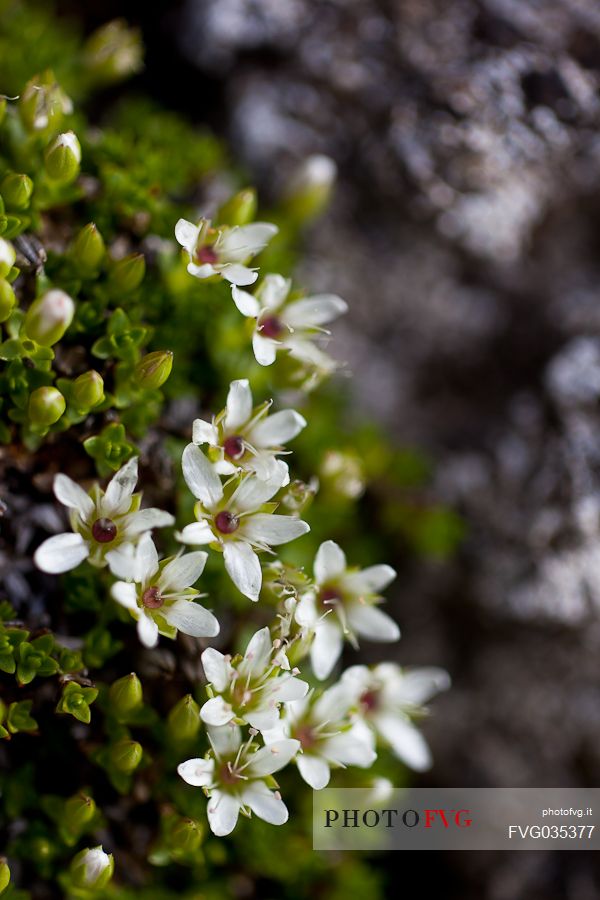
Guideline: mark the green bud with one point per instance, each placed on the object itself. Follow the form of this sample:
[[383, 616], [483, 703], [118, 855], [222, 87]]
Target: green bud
[[48, 317], [16, 190], [125, 756], [88, 250], [7, 257], [153, 369], [7, 300], [310, 187], [88, 390], [186, 835], [239, 209], [79, 811], [62, 157], [92, 869], [127, 274], [113, 52], [184, 719], [46, 406], [125, 695], [4, 875], [43, 103]]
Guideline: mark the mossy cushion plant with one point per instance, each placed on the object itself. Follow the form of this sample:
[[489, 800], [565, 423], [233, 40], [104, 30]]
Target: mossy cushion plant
[[176, 597]]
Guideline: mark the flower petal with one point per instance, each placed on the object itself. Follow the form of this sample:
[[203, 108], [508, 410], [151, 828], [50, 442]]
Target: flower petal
[[146, 559], [121, 562], [147, 630], [326, 647], [125, 594], [278, 429], [273, 291], [314, 311], [267, 528], [117, 497], [272, 758], [406, 741], [287, 689], [200, 477], [265, 349], [216, 712], [243, 567], [74, 497], [197, 772], [222, 811], [371, 623], [354, 747], [264, 803], [257, 654], [191, 618], [183, 571], [225, 740], [330, 562], [371, 580], [61, 553], [306, 613], [186, 234], [238, 408], [197, 533], [146, 519], [217, 669], [314, 770], [235, 273], [241, 242], [420, 685], [245, 302], [252, 492], [204, 433], [203, 271]]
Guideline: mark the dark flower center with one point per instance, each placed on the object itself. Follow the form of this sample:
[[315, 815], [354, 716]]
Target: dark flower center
[[271, 327], [228, 775], [226, 522], [329, 597], [369, 700], [152, 599], [306, 736], [206, 255], [234, 446], [104, 531]]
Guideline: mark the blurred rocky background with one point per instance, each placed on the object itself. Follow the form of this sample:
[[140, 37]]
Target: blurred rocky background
[[465, 233]]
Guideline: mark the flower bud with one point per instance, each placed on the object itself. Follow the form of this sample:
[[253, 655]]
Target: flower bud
[[7, 300], [126, 756], [88, 250], [92, 869], [127, 274], [4, 875], [78, 811], [153, 369], [48, 317], [186, 835], [88, 390], [46, 406], [7, 257], [125, 695], [43, 103], [239, 209], [184, 719], [113, 52], [16, 190], [62, 157], [310, 187]]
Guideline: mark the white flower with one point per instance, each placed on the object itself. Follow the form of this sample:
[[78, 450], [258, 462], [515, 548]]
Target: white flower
[[159, 596], [327, 735], [234, 519], [101, 521], [92, 868], [343, 603], [223, 251], [250, 689], [294, 327], [387, 699], [245, 438], [235, 778]]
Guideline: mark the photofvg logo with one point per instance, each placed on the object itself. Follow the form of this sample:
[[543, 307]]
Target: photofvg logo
[[457, 819]]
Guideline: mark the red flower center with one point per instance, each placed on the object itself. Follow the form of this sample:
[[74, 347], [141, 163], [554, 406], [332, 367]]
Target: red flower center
[[306, 736], [271, 327], [234, 446], [152, 599], [226, 522], [329, 597], [369, 700], [205, 255], [104, 531]]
